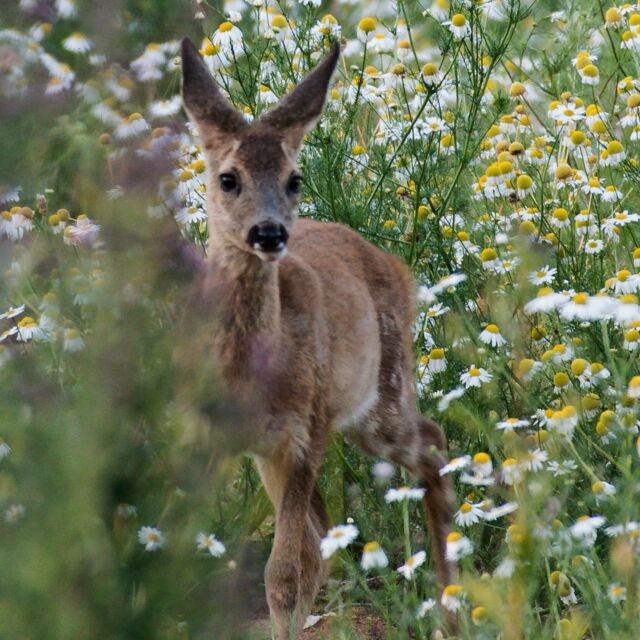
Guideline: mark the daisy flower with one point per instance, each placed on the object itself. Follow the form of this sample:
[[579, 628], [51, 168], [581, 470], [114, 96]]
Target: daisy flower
[[452, 597], [373, 557], [72, 341], [425, 607], [366, 29], [499, 512], [633, 390], [12, 312], [459, 26], [458, 546], [543, 276], [585, 529], [338, 537], [437, 362], [77, 43], [593, 246], [227, 36], [468, 514], [151, 537], [208, 542], [411, 564], [546, 300], [616, 593], [511, 423], [511, 472], [492, 336], [586, 308], [5, 449], [449, 397], [475, 377], [455, 465], [404, 493]]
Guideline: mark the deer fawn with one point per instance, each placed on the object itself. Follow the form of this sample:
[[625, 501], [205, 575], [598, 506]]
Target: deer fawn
[[312, 328]]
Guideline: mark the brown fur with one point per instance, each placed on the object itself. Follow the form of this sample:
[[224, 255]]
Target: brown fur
[[320, 337]]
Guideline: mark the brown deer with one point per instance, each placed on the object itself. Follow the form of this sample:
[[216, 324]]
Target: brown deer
[[311, 329]]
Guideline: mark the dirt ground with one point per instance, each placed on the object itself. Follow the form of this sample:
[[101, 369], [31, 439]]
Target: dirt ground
[[364, 626]]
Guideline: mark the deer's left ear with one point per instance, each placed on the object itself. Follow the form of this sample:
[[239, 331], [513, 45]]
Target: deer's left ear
[[208, 108], [299, 110]]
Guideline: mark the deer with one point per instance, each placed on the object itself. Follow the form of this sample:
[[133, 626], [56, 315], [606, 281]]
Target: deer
[[311, 327]]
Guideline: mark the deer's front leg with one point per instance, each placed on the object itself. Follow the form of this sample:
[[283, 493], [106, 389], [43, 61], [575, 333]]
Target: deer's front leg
[[292, 572]]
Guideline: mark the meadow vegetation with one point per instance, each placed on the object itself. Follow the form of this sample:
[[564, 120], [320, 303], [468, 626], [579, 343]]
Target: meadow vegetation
[[492, 145]]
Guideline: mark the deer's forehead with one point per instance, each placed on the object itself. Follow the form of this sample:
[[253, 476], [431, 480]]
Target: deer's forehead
[[262, 153]]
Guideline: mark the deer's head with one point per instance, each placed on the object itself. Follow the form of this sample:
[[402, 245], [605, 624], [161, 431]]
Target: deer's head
[[253, 179]]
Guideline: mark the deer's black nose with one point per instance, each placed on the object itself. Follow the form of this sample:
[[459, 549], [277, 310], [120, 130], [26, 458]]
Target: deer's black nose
[[268, 236]]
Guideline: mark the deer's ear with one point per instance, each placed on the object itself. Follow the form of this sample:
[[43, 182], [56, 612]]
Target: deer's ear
[[207, 107], [299, 110]]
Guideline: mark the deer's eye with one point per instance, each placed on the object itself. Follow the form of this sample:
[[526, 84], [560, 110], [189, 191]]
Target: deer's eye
[[228, 182], [294, 184]]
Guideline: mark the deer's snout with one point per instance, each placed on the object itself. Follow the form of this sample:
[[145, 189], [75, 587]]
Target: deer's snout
[[268, 236]]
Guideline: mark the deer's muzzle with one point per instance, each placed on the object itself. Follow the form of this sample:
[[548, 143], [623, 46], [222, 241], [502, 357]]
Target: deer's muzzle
[[268, 236]]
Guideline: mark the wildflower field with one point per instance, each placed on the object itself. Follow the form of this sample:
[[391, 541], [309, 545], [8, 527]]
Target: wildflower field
[[493, 145]]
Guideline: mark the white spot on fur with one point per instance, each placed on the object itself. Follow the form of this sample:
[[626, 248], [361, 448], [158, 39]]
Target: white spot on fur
[[354, 414]]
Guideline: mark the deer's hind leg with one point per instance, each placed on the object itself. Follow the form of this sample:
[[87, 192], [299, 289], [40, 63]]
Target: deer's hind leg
[[394, 430]]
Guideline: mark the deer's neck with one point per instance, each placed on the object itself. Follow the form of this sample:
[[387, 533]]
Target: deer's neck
[[247, 299]]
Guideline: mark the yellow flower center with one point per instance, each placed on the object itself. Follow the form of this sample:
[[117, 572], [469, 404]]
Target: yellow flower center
[[367, 25], [458, 20]]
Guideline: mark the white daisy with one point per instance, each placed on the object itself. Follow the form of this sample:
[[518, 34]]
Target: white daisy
[[338, 537], [151, 537], [208, 542], [411, 564]]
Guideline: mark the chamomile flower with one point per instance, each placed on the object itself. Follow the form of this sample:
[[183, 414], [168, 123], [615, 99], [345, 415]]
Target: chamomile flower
[[425, 607], [373, 557], [593, 246], [545, 275], [616, 593], [77, 43], [449, 397], [338, 537], [458, 546], [468, 514], [72, 340], [5, 450], [585, 529], [437, 362], [404, 493], [475, 377], [459, 26], [131, 126], [491, 335], [12, 312], [151, 538], [411, 564], [166, 108], [366, 29], [227, 36], [633, 390], [511, 472], [28, 329], [452, 596], [456, 464], [511, 423], [586, 308], [209, 542]]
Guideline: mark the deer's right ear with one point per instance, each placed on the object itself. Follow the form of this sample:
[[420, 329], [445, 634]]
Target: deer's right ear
[[204, 102]]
